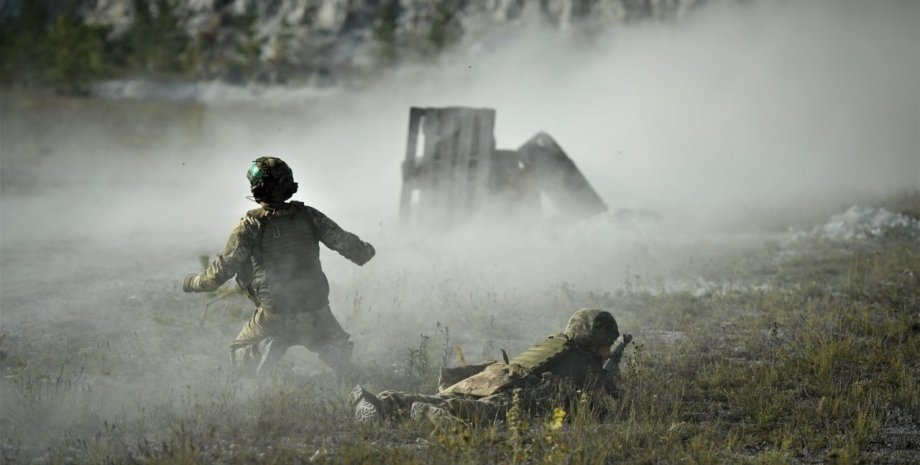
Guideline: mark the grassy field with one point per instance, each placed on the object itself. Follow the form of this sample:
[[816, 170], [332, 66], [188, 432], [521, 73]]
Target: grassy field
[[797, 350]]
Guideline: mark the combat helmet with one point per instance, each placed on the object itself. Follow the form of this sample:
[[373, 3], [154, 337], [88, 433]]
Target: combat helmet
[[271, 180], [591, 328]]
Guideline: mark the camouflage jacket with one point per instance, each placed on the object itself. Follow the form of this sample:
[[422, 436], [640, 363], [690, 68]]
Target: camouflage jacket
[[555, 358], [275, 256]]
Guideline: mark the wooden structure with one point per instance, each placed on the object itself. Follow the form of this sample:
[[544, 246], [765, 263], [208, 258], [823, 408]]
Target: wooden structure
[[452, 172]]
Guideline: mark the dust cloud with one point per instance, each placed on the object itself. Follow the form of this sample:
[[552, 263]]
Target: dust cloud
[[107, 203]]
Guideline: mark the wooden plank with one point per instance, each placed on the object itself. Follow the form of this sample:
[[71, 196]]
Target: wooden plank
[[430, 199], [410, 166], [560, 180], [451, 177], [451, 156], [445, 151], [483, 146], [463, 190]]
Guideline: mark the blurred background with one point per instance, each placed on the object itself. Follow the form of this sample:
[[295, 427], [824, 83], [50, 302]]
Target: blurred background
[[703, 107]]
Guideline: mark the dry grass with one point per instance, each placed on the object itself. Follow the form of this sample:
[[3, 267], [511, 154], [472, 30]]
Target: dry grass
[[800, 352]]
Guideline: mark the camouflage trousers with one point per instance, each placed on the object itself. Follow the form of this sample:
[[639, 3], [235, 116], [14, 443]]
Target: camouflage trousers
[[267, 335], [395, 404], [538, 396]]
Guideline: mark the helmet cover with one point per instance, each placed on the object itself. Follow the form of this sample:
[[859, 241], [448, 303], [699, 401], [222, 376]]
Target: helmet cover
[[592, 327]]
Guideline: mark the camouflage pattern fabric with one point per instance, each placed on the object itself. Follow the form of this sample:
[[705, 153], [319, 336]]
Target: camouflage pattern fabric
[[493, 379], [542, 354], [395, 404], [558, 371], [539, 394], [592, 328], [317, 330], [298, 282], [552, 355], [557, 383], [274, 252], [449, 376]]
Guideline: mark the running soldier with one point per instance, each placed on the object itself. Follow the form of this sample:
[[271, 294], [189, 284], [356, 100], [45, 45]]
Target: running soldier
[[274, 254]]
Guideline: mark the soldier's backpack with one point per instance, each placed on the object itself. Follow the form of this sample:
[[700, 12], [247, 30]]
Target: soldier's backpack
[[246, 272], [498, 377]]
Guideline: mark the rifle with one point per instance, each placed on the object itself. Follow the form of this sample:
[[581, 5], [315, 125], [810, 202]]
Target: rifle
[[612, 363]]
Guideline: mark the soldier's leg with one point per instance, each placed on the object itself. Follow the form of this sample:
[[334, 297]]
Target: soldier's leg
[[481, 410], [439, 415], [395, 404], [387, 405], [256, 350], [320, 332], [367, 405]]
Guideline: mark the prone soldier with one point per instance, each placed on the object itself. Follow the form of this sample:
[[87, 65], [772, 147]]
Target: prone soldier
[[578, 361]]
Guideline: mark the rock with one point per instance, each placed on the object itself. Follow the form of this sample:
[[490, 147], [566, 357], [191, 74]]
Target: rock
[[342, 37]]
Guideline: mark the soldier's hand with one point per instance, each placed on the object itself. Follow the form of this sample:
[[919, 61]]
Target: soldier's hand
[[627, 338], [369, 253], [188, 284]]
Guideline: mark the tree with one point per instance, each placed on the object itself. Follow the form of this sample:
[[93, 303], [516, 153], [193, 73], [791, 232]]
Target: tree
[[384, 32], [445, 28], [156, 40], [75, 52]]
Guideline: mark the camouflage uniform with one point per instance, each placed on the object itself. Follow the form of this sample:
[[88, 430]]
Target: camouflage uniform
[[274, 254], [548, 374]]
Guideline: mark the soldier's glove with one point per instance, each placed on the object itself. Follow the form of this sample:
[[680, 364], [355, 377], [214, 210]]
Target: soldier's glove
[[369, 253], [188, 284]]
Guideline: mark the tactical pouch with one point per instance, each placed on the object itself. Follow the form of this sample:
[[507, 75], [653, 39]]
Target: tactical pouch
[[540, 356], [500, 376]]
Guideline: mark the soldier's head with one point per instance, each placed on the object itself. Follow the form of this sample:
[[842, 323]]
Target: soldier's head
[[271, 180], [593, 329]]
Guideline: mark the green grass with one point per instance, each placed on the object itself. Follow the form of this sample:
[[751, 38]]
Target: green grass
[[809, 356]]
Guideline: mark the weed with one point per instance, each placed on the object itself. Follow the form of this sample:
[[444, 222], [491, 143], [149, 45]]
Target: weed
[[419, 358], [809, 355]]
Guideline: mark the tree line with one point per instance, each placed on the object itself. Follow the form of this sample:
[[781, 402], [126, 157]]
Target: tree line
[[48, 44]]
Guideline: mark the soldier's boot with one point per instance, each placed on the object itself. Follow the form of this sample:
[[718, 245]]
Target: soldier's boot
[[338, 356], [248, 361], [367, 406], [241, 364], [437, 415], [270, 350]]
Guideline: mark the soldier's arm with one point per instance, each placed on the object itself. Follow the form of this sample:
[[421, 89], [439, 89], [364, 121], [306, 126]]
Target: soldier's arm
[[227, 263], [345, 243], [612, 366], [617, 353]]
